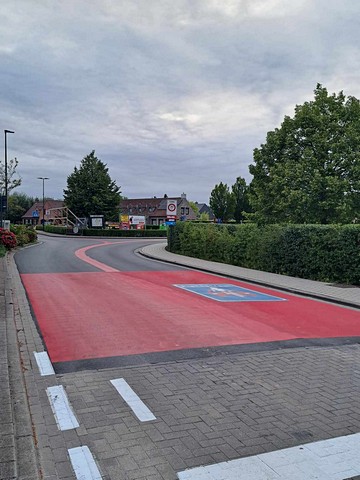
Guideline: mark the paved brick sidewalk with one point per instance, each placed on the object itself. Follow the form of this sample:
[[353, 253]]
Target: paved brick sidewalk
[[18, 456], [340, 294]]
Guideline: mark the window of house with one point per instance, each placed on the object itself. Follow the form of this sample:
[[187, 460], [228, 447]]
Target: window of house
[[153, 221], [187, 210], [182, 210]]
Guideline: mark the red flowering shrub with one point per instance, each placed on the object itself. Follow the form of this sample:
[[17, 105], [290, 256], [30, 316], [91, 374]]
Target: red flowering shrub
[[8, 239]]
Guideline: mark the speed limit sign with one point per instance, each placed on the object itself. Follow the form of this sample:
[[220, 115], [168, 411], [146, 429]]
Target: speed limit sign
[[171, 208]]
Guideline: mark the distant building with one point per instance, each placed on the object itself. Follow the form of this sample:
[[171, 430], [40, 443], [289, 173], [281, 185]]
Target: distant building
[[34, 216], [154, 209], [203, 208]]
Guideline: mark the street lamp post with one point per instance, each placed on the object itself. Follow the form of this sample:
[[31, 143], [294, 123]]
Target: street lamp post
[[43, 202], [6, 172]]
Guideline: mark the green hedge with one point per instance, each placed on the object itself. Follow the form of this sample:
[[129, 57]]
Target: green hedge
[[329, 253], [92, 232]]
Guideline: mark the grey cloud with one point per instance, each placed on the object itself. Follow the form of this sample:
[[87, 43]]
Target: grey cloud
[[170, 94]]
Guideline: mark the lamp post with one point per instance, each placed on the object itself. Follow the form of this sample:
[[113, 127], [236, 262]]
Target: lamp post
[[43, 202], [6, 172]]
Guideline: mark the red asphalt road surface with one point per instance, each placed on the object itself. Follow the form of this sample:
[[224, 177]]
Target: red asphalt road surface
[[103, 314]]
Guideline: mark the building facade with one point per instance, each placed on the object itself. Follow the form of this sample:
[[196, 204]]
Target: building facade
[[49, 211], [154, 209]]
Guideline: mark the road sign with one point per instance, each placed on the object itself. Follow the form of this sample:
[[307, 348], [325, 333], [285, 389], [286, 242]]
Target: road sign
[[171, 208], [35, 214], [226, 292], [137, 219]]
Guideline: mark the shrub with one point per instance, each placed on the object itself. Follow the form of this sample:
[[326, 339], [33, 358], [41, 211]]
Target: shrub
[[7, 239], [24, 234]]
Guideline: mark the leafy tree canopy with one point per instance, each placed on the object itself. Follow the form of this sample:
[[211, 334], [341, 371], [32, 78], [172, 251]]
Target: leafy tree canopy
[[308, 171], [90, 190], [18, 205], [222, 202]]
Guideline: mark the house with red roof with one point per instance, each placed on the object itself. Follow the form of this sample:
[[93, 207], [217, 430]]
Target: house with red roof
[[154, 209]]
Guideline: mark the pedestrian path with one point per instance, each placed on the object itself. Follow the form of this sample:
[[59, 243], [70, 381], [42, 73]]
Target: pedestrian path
[[346, 295]]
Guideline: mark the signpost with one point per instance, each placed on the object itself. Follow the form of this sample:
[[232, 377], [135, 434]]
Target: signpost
[[96, 221]]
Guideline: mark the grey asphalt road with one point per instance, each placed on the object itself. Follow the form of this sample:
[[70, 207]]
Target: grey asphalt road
[[57, 255]]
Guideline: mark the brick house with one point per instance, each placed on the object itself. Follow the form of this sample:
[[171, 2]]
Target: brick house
[[154, 209], [34, 216]]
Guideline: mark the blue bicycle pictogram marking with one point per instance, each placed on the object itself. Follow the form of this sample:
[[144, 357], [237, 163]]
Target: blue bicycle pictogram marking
[[226, 292]]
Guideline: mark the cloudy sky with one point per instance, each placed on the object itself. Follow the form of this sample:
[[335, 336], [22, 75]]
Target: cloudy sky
[[173, 95]]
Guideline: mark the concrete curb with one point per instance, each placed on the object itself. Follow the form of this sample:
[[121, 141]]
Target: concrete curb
[[7, 434]]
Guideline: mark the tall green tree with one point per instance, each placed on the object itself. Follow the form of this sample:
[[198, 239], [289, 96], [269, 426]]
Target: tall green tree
[[18, 205], [222, 202], [90, 190], [308, 171], [240, 193]]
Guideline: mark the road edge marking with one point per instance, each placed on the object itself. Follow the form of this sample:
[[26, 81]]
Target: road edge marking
[[83, 463], [62, 410], [139, 408], [44, 364]]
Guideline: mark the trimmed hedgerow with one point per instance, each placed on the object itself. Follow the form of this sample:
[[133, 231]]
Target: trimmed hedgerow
[[329, 253], [92, 232]]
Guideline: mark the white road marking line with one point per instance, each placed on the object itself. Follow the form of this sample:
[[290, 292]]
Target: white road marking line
[[84, 464], [333, 459], [61, 408], [44, 364], [134, 402]]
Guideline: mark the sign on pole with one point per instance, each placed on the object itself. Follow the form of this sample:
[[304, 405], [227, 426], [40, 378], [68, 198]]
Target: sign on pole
[[171, 208]]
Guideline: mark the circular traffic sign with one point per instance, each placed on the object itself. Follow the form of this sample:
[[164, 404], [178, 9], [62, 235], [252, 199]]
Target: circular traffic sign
[[171, 207]]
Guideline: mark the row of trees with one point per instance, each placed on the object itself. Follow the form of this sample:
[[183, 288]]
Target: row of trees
[[307, 171], [231, 204]]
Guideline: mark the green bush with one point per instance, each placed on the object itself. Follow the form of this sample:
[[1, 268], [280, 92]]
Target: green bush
[[24, 234], [330, 253], [2, 251]]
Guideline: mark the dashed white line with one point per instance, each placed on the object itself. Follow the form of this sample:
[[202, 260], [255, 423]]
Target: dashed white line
[[137, 406], [84, 464], [44, 364], [334, 459], [64, 415]]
